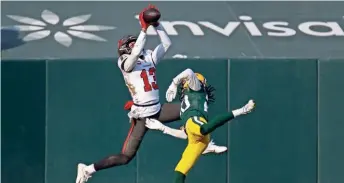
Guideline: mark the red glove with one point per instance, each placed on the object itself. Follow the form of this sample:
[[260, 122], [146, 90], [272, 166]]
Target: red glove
[[152, 6], [128, 105], [144, 25]]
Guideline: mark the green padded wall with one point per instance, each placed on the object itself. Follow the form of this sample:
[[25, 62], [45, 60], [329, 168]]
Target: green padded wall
[[277, 142], [22, 121], [294, 135], [331, 121]]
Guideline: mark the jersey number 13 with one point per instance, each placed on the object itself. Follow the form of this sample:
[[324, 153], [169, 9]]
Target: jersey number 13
[[148, 86]]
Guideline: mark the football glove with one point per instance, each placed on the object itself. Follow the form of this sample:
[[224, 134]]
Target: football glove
[[154, 124], [143, 24], [128, 105], [171, 92]]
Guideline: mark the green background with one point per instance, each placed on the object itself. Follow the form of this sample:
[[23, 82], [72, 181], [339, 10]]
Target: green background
[[57, 113]]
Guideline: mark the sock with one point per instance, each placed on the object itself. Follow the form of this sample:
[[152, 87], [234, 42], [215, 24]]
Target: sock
[[216, 122], [179, 177], [90, 169], [238, 112]]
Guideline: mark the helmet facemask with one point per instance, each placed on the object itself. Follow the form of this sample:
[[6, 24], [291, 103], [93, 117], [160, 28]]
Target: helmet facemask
[[126, 44]]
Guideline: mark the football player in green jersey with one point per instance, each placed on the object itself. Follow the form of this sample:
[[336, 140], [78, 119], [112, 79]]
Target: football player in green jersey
[[195, 96]]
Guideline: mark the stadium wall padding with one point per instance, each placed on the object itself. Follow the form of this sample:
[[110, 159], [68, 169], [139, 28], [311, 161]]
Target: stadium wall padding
[[56, 113], [23, 121], [331, 121]]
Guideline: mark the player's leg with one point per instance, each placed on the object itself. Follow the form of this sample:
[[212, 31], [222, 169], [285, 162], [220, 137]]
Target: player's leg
[[197, 143], [131, 145], [169, 112], [190, 156]]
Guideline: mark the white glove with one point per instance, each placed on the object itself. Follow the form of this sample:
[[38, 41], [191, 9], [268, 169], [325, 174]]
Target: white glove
[[249, 106], [171, 92], [154, 124]]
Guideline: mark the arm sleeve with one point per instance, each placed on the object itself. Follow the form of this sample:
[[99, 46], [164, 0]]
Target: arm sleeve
[[160, 51], [175, 132], [190, 78], [216, 122], [128, 62]]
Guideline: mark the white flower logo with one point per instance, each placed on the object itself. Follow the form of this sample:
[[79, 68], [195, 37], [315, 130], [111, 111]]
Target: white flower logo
[[71, 24]]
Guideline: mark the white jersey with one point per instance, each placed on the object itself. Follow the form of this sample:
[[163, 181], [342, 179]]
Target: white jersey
[[141, 81], [138, 70]]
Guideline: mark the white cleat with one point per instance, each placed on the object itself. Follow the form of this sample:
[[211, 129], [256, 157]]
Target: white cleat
[[83, 175], [249, 107], [212, 148]]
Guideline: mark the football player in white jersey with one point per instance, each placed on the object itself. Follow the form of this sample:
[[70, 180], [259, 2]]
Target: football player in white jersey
[[138, 68]]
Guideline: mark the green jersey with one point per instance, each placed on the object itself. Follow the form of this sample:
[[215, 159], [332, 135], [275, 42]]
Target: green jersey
[[195, 103]]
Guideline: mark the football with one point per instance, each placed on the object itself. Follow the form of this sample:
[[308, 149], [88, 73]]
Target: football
[[151, 16]]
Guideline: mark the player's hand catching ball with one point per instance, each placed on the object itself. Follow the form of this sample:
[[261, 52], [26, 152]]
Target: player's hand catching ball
[[151, 15], [171, 92], [143, 23]]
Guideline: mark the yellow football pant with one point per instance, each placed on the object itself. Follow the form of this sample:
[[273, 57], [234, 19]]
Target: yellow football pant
[[197, 143]]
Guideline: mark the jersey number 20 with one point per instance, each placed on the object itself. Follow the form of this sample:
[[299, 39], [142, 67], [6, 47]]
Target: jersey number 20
[[149, 86], [186, 104]]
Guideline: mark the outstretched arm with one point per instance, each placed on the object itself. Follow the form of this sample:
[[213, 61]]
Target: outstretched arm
[[175, 132], [190, 77], [160, 51], [128, 62], [157, 125], [220, 120]]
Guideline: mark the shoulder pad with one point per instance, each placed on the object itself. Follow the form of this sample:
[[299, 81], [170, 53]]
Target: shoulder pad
[[123, 57]]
